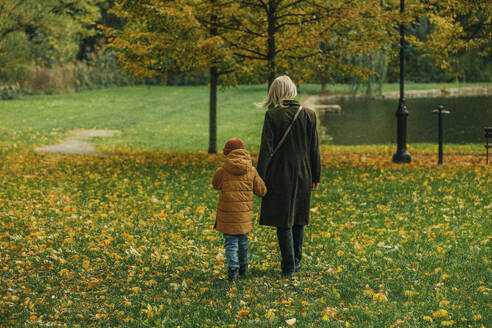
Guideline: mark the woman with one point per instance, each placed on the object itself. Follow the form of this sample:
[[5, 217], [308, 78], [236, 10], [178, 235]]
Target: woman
[[291, 173]]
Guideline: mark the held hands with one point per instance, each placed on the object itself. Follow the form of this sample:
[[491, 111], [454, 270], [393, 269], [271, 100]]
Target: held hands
[[315, 186]]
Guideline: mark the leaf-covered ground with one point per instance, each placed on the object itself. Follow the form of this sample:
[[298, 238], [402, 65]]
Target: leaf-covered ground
[[127, 240]]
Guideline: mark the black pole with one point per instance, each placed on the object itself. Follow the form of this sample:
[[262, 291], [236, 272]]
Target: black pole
[[402, 155], [440, 111]]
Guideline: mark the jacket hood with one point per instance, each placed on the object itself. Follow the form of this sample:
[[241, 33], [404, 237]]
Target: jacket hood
[[238, 162]]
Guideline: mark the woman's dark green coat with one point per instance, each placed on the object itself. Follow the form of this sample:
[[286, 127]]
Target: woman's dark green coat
[[292, 170]]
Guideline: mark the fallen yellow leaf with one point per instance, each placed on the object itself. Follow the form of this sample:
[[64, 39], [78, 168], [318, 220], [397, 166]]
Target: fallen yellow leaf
[[440, 314], [270, 314], [243, 313], [291, 322]]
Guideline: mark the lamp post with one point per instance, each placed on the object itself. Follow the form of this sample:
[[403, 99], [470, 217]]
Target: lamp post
[[402, 155]]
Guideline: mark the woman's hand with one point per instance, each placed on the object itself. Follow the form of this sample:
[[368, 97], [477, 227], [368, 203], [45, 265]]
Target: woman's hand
[[315, 186]]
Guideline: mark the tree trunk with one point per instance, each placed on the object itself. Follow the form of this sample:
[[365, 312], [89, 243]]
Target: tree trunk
[[214, 76], [212, 143], [271, 52], [323, 80]]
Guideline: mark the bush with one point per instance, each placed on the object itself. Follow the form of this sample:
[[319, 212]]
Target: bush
[[56, 79], [8, 93], [102, 72]]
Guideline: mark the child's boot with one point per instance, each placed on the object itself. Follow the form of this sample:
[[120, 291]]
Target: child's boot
[[233, 274], [243, 269]]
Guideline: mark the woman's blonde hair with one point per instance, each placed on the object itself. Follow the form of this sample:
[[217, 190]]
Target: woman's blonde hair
[[281, 89]]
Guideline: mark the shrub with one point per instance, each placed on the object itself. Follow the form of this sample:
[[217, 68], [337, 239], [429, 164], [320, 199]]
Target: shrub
[[102, 72], [8, 93], [56, 79]]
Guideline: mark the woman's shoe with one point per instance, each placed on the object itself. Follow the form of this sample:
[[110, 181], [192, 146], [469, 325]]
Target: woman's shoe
[[233, 274], [288, 275], [243, 269]]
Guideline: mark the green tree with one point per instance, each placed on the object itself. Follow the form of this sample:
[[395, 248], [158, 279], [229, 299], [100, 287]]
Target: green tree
[[456, 27], [48, 32]]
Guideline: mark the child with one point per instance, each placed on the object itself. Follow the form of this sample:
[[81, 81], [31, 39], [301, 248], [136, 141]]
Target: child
[[237, 180]]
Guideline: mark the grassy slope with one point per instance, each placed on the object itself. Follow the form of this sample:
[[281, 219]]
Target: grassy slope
[[155, 118]]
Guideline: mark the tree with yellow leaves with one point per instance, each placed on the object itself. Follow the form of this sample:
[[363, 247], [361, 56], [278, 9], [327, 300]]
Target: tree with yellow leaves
[[247, 38], [182, 35], [304, 37], [259, 39]]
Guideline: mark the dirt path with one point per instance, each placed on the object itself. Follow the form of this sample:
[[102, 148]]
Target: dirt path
[[78, 142]]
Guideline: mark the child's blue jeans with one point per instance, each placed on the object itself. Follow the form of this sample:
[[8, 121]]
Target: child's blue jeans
[[236, 250]]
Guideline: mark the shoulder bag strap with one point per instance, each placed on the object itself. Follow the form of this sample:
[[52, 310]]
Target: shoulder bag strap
[[286, 133]]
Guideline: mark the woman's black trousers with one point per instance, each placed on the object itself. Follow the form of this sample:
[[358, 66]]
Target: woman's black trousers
[[290, 242]]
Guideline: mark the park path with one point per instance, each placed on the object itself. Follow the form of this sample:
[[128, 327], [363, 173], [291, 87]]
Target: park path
[[430, 93], [78, 142]]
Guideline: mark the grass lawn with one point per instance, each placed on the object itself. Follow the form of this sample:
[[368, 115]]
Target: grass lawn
[[169, 118], [128, 240], [155, 118]]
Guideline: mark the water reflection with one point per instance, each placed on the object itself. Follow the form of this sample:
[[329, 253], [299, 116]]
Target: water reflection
[[374, 121]]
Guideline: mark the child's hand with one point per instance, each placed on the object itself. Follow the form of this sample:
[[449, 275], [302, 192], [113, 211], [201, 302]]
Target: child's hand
[[315, 186]]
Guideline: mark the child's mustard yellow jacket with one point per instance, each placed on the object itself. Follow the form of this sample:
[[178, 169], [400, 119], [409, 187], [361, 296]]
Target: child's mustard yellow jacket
[[237, 180]]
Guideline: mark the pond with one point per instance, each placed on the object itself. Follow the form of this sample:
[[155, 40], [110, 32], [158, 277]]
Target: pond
[[374, 121]]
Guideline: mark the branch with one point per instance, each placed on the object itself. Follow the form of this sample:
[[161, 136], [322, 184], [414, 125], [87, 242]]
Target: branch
[[10, 30], [227, 71], [248, 31], [292, 15], [20, 26], [260, 4], [280, 26], [301, 57], [2, 6], [220, 25], [249, 57], [474, 30], [290, 5], [248, 50], [263, 3]]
